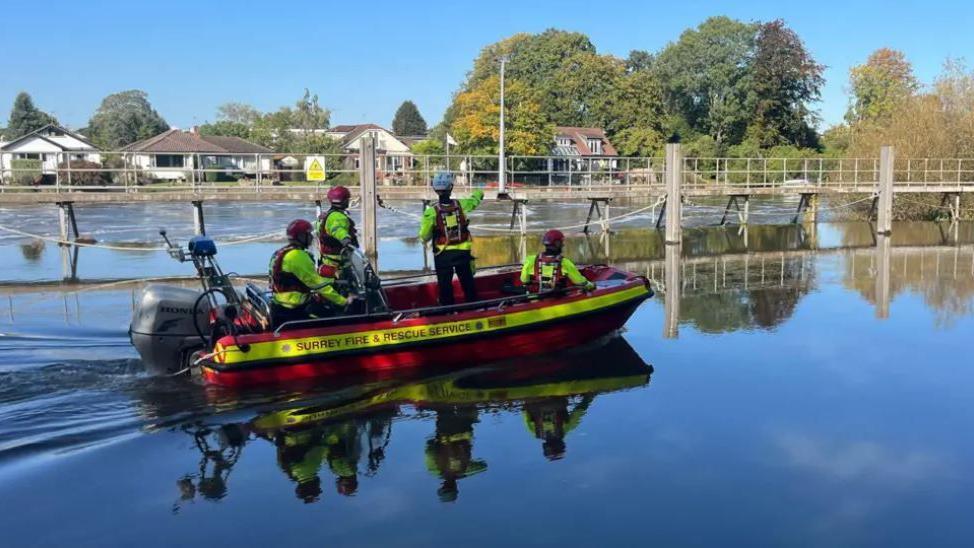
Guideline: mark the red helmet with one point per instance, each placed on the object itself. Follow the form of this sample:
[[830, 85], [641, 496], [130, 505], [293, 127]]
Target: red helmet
[[553, 238], [339, 196], [300, 231]]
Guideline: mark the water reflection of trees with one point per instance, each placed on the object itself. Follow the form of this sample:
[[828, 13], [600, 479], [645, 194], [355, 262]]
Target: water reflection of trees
[[943, 277], [744, 292], [646, 244], [338, 435]]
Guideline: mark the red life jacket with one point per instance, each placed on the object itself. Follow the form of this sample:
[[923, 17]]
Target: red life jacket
[[451, 224], [328, 244], [281, 281], [557, 279]]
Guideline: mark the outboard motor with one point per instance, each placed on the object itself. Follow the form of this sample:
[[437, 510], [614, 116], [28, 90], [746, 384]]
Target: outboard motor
[[171, 323], [163, 330]]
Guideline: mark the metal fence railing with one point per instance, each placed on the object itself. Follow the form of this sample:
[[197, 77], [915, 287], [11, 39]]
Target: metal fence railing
[[821, 172], [147, 172]]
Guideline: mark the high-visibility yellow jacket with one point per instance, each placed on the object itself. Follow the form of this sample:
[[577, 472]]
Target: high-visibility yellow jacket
[[549, 271], [333, 229], [295, 278], [427, 227]]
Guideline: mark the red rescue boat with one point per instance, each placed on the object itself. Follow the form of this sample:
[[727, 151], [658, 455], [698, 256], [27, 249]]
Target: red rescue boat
[[405, 329]]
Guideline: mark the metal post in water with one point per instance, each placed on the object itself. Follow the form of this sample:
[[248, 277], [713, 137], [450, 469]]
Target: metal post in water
[[883, 269], [674, 177], [884, 225], [671, 299], [199, 226], [368, 198], [501, 160]]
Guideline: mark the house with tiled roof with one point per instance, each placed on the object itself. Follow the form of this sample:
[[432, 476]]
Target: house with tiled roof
[[393, 149], [579, 150], [47, 147], [176, 154], [582, 142]]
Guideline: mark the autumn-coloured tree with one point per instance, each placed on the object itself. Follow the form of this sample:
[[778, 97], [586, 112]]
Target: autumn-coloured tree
[[879, 85], [476, 120]]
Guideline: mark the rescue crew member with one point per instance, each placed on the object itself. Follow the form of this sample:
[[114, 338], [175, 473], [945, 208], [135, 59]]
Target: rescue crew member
[[447, 224], [336, 231], [299, 291], [550, 270]]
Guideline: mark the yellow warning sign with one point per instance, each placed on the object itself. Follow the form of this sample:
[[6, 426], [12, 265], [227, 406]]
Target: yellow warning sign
[[315, 171]]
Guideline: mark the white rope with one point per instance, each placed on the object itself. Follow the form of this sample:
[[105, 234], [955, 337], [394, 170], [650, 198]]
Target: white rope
[[948, 208], [79, 244], [58, 241]]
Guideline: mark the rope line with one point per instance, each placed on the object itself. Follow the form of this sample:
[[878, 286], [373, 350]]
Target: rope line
[[59, 241]]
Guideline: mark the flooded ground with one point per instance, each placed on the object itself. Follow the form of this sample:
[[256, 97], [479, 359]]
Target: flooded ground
[[800, 395]]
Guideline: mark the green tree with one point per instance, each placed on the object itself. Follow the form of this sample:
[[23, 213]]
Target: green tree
[[639, 141], [534, 60], [879, 85], [639, 60], [408, 120], [428, 147], [25, 117], [124, 118], [705, 77], [782, 79], [308, 115], [584, 91], [226, 128], [239, 113], [297, 129]]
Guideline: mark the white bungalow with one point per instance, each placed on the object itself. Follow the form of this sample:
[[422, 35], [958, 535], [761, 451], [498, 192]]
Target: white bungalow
[[51, 145], [395, 150], [175, 154]]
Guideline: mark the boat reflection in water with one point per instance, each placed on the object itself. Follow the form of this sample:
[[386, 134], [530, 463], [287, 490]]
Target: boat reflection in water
[[343, 433]]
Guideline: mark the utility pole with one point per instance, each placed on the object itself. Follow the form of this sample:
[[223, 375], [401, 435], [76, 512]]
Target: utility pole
[[502, 164]]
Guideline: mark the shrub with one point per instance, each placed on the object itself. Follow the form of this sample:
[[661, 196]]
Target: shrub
[[26, 172], [81, 174], [218, 176]]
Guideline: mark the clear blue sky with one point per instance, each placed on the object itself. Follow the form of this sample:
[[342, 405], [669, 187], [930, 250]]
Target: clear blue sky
[[365, 58]]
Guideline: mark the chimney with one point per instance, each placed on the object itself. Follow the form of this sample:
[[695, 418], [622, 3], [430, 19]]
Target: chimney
[[195, 130]]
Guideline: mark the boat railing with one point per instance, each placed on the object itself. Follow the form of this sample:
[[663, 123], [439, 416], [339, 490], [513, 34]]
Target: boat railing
[[393, 281]]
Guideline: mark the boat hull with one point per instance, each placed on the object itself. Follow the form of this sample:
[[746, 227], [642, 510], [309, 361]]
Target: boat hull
[[537, 329]]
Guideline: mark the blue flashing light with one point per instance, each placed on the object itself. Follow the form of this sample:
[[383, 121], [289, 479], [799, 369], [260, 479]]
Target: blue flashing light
[[202, 246]]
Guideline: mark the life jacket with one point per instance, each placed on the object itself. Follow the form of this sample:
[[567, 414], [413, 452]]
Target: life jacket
[[281, 281], [328, 244], [451, 224], [548, 273]]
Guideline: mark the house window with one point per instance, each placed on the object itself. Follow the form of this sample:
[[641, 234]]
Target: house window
[[564, 141], [27, 156], [169, 160], [595, 145]]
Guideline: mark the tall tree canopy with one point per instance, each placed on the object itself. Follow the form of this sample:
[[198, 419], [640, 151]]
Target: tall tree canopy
[[704, 74], [408, 120], [124, 118], [25, 117], [782, 79], [879, 85], [570, 84]]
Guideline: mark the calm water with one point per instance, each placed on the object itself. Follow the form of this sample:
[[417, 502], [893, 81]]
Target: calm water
[[797, 400]]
